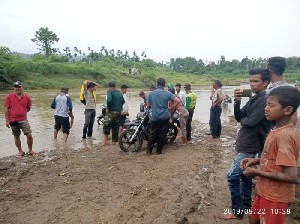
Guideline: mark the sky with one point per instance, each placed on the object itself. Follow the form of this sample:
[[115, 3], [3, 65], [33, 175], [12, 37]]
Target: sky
[[164, 29]]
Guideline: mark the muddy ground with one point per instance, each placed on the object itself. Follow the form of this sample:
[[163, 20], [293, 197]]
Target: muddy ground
[[103, 185]]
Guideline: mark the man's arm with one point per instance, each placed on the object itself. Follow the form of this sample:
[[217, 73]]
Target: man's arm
[[175, 104], [6, 113], [219, 100], [53, 104], [258, 115], [288, 175]]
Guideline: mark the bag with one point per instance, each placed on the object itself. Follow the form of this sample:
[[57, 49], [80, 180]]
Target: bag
[[81, 95]]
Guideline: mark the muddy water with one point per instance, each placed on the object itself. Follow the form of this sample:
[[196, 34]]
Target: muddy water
[[41, 119]]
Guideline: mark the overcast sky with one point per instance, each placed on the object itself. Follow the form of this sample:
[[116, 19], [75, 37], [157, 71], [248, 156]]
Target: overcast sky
[[164, 29]]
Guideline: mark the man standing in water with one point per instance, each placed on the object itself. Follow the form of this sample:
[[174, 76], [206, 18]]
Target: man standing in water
[[63, 109], [90, 108], [114, 102], [16, 106]]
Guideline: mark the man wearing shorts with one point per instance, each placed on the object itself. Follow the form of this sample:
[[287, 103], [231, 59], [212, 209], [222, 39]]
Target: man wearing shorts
[[63, 109], [16, 106]]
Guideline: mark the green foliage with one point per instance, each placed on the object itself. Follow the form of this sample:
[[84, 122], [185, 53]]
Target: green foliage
[[45, 38], [109, 65]]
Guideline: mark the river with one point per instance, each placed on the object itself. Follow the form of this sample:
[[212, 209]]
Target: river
[[41, 119]]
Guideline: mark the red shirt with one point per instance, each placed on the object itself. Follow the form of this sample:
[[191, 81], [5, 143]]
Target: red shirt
[[18, 107], [281, 149]]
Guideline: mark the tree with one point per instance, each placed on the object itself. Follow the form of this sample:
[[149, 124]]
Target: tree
[[45, 38]]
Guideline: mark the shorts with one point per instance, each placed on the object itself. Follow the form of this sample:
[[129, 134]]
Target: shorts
[[62, 121], [268, 212], [122, 120], [17, 126]]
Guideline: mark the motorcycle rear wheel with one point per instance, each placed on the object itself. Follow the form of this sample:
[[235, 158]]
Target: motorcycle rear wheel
[[171, 134], [127, 146]]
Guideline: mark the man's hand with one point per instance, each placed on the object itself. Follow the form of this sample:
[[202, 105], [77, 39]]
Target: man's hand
[[7, 124], [248, 162], [250, 172], [237, 95]]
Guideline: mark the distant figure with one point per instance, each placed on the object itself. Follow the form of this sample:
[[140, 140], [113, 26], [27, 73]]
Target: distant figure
[[143, 95], [158, 102], [125, 112], [16, 106], [183, 116], [180, 93], [297, 84], [217, 98], [152, 87], [62, 104], [114, 102], [276, 66], [190, 104], [90, 108]]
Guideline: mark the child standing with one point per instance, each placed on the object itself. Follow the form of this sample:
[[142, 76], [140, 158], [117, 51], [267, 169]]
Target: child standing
[[278, 163]]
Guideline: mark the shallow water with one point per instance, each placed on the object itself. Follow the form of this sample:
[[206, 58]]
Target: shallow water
[[41, 119]]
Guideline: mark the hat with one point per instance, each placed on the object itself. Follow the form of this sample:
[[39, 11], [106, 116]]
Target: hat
[[178, 84], [18, 83], [170, 85], [297, 82], [124, 86], [187, 86]]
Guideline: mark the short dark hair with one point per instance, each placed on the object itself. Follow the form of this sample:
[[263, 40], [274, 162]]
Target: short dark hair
[[277, 65], [111, 84], [218, 82], [178, 84], [171, 90], [264, 73], [64, 89], [90, 85], [124, 86], [161, 82], [287, 96], [152, 86]]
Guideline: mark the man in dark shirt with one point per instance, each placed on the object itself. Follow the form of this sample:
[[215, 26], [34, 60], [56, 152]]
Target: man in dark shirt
[[158, 101], [250, 139], [114, 102]]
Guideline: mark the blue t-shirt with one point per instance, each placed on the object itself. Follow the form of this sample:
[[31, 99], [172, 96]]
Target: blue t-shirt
[[158, 100]]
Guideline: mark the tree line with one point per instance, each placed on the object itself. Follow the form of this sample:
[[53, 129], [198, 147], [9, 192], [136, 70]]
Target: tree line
[[45, 38]]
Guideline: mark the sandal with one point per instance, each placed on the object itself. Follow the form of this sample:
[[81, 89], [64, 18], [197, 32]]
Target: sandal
[[20, 155], [32, 153]]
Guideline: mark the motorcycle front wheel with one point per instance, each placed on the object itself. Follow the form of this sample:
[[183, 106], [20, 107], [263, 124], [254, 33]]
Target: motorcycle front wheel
[[130, 146], [171, 134]]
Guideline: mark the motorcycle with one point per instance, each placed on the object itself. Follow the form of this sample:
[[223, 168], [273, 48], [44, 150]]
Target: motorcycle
[[131, 139], [100, 118]]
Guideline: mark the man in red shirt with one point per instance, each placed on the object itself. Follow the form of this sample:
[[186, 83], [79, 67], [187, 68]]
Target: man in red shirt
[[16, 106]]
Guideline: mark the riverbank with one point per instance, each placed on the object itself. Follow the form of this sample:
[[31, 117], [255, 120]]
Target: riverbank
[[97, 184]]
